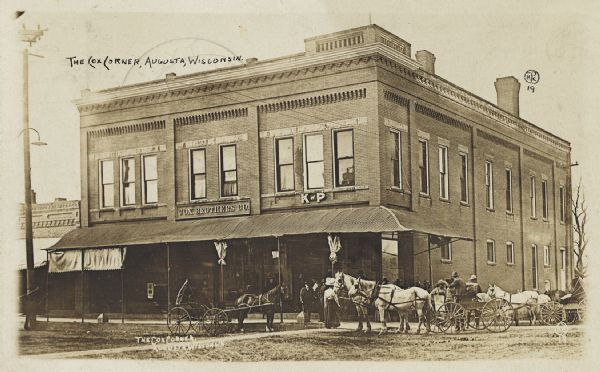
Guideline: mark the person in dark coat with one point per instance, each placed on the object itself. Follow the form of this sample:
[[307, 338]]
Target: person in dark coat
[[458, 287], [319, 300], [306, 299]]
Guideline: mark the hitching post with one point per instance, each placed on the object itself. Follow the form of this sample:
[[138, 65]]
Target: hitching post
[[279, 267]]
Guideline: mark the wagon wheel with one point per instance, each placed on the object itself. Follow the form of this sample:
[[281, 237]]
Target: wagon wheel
[[581, 310], [215, 322], [497, 315], [432, 319], [552, 313], [179, 321], [474, 319], [451, 318]]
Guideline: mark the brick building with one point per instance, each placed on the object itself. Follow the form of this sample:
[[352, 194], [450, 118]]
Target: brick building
[[351, 138]]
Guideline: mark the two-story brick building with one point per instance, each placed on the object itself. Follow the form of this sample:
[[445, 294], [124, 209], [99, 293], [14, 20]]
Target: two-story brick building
[[352, 138]]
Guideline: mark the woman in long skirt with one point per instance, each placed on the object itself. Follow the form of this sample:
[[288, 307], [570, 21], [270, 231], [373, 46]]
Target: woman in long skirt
[[331, 305]]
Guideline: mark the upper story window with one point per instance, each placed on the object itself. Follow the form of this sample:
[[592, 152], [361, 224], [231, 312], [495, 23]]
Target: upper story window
[[443, 165], [228, 162], [197, 174], [446, 251], [509, 197], [464, 172], [424, 165], [128, 181], [107, 184], [397, 160], [545, 199], [150, 177], [344, 157], [489, 184], [510, 253], [313, 157], [491, 251], [284, 164], [561, 201], [532, 196]]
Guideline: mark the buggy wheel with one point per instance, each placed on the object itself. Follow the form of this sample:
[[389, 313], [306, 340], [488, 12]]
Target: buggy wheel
[[497, 315], [552, 313], [474, 319], [215, 322], [451, 318], [179, 321], [581, 310]]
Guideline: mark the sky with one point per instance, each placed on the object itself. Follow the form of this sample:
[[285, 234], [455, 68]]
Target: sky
[[474, 42]]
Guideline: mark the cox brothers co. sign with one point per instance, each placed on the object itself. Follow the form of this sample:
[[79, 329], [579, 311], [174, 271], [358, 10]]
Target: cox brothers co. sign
[[221, 209]]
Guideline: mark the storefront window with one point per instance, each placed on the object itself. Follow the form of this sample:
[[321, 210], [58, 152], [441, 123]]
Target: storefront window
[[150, 179], [107, 182], [198, 174], [344, 158], [314, 168]]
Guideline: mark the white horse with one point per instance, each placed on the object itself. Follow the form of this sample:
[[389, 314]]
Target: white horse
[[526, 299], [387, 297]]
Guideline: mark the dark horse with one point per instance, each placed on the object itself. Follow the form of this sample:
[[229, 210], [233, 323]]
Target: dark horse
[[267, 303]]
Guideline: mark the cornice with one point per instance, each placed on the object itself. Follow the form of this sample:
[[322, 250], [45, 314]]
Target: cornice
[[467, 99], [222, 79]]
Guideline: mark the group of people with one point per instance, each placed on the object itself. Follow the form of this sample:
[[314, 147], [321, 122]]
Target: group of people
[[457, 286], [322, 298]]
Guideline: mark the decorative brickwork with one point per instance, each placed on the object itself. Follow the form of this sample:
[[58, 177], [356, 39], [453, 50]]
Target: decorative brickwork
[[211, 116], [441, 117], [314, 101], [395, 98], [127, 129]]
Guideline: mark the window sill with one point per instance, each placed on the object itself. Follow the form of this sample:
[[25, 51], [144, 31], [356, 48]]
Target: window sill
[[490, 209], [547, 266], [445, 261], [445, 200], [510, 264], [399, 190], [533, 218], [197, 201], [424, 196], [464, 203], [127, 208], [150, 206], [284, 193], [545, 220], [229, 198], [491, 263], [510, 213], [107, 209], [348, 188]]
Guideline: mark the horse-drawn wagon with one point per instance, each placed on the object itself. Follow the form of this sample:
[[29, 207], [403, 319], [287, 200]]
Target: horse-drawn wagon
[[565, 307], [189, 314], [454, 314]]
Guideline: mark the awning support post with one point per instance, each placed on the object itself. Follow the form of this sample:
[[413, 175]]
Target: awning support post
[[47, 274], [429, 258], [279, 268], [122, 291], [82, 289], [168, 277]]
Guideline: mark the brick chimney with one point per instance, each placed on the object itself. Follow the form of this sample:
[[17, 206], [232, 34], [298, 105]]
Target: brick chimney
[[507, 91], [427, 61]]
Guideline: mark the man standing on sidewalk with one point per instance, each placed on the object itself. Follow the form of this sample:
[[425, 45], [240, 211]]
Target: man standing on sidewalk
[[306, 299]]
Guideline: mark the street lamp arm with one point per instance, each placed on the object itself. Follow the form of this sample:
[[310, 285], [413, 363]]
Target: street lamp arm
[[33, 129]]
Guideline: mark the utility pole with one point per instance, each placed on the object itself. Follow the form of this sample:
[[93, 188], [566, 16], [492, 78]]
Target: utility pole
[[28, 36]]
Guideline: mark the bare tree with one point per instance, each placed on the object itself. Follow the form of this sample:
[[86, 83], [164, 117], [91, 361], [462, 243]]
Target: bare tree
[[579, 210]]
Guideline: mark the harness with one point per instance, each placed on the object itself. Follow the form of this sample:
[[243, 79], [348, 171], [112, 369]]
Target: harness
[[375, 295]]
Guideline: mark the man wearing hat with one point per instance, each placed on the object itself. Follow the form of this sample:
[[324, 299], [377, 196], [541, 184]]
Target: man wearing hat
[[306, 298], [472, 286], [458, 287]]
